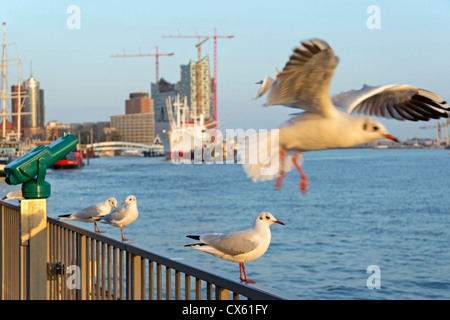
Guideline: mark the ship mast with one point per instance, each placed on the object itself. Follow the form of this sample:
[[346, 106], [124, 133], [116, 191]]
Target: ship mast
[[5, 95], [4, 82]]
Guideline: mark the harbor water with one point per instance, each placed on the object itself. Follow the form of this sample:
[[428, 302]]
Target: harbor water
[[388, 208]]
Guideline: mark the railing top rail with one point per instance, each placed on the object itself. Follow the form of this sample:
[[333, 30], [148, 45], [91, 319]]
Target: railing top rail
[[253, 291]]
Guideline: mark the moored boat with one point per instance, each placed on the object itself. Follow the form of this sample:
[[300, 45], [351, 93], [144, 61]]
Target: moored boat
[[71, 161]]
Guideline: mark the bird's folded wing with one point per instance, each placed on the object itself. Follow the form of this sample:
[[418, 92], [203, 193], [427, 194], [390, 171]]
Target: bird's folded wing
[[401, 102], [116, 215], [232, 243], [86, 213], [305, 80]]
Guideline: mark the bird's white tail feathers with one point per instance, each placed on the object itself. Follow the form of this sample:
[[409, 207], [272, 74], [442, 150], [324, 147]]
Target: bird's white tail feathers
[[259, 155], [208, 249]]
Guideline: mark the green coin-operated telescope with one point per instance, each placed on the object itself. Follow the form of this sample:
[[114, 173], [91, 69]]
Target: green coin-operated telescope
[[30, 169]]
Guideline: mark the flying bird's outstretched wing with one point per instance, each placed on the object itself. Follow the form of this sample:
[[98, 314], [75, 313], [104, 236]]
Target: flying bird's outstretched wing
[[401, 102]]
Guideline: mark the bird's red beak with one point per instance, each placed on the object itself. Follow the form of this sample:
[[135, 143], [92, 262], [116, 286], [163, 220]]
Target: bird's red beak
[[388, 136], [279, 222], [124, 202]]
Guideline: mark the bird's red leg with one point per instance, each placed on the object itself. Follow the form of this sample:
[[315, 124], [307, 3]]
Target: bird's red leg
[[96, 229], [303, 179], [240, 272], [121, 231], [281, 172], [245, 275]]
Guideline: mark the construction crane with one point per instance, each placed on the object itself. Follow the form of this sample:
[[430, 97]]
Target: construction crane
[[439, 134], [199, 38], [140, 54]]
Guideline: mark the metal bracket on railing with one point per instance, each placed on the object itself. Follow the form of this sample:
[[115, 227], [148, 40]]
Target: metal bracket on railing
[[54, 269]]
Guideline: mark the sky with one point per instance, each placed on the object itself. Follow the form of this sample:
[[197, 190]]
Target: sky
[[401, 42]]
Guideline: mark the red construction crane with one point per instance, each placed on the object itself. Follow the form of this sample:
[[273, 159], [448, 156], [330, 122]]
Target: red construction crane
[[199, 37], [140, 54]]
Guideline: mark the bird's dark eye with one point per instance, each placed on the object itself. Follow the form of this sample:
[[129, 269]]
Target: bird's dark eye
[[267, 217], [375, 128]]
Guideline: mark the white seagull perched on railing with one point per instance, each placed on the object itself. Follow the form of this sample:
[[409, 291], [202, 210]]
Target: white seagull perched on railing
[[14, 195], [239, 246], [122, 216], [92, 213], [329, 122]]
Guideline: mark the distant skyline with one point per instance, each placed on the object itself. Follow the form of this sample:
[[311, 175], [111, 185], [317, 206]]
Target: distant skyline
[[70, 43]]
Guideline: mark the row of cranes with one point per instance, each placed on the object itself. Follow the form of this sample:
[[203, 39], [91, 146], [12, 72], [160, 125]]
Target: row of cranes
[[439, 127]]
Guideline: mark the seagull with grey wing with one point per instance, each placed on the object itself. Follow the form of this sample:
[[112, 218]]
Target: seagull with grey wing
[[16, 194], [330, 122], [122, 216], [238, 246], [92, 213]]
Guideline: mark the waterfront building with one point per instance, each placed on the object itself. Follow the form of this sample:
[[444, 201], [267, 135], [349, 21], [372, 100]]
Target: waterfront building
[[90, 132], [139, 102], [138, 123], [32, 125], [197, 89], [160, 92], [55, 129], [198, 92]]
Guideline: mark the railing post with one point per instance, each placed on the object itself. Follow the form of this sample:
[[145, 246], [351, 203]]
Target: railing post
[[83, 264], [33, 226], [133, 277], [222, 293]]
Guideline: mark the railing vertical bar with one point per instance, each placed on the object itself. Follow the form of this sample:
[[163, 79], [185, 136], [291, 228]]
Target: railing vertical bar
[[121, 279], [82, 263], [209, 291], [222, 293], [67, 262], [108, 273], [177, 285], [92, 284], [64, 263], [133, 276], [103, 272], [158, 282], [54, 258], [168, 283], [49, 255], [142, 278], [235, 296], [50, 258], [73, 261], [187, 287], [150, 280], [87, 268], [97, 270], [198, 289], [115, 273], [49, 247], [127, 275]]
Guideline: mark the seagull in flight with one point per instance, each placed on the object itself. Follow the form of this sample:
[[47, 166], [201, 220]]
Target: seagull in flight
[[329, 122]]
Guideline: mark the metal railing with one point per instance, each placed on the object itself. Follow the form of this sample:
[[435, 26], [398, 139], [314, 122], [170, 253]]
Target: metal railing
[[82, 264]]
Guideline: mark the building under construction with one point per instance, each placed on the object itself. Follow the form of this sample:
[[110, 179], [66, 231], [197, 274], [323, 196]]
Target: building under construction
[[198, 91]]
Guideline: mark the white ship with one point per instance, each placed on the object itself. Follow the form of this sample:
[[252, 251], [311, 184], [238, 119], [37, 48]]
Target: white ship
[[184, 141]]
